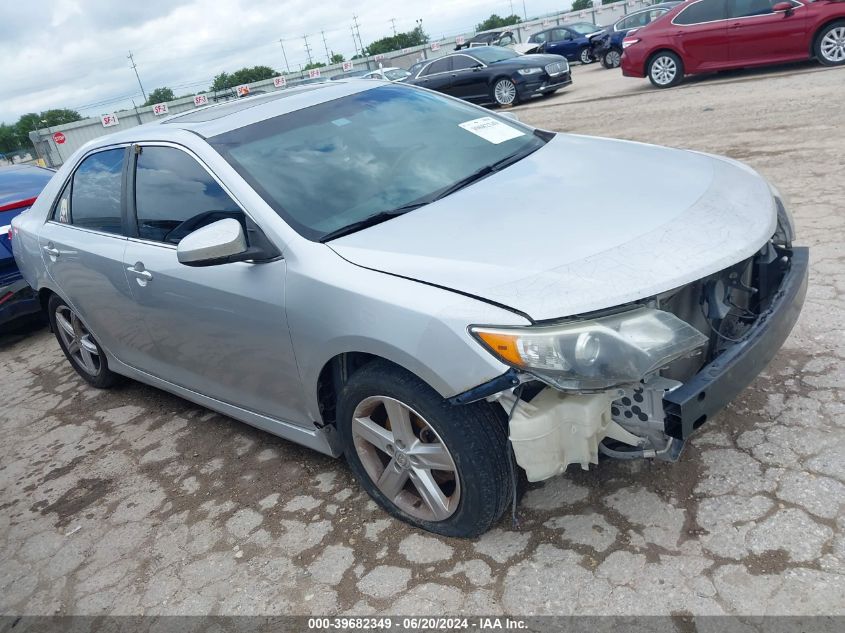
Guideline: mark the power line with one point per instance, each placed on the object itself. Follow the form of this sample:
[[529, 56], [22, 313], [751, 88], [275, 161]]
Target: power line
[[135, 68]]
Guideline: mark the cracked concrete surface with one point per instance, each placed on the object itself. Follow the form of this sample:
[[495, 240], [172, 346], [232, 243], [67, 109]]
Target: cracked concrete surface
[[133, 501]]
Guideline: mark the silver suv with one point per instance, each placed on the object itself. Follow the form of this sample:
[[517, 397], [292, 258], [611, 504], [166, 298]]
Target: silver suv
[[386, 273]]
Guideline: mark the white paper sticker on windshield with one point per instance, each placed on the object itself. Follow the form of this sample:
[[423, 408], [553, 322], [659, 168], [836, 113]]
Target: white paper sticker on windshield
[[491, 130]]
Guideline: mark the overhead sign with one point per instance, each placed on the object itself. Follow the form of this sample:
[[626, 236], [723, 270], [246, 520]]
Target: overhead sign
[[314, 73], [347, 66], [280, 82], [435, 46], [159, 109], [460, 40], [200, 100], [59, 138], [109, 120]]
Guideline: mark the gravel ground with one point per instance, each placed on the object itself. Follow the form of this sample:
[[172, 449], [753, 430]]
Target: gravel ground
[[136, 502]]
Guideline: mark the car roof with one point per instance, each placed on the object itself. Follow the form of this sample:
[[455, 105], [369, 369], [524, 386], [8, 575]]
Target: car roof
[[220, 118]]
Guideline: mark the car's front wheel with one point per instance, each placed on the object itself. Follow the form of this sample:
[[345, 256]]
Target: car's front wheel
[[435, 465], [612, 58], [665, 70], [504, 92], [586, 56], [78, 344], [830, 44]]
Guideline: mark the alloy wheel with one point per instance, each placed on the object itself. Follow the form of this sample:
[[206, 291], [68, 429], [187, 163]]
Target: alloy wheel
[[663, 70], [406, 458], [613, 59], [504, 92], [833, 45], [78, 341], [586, 58]]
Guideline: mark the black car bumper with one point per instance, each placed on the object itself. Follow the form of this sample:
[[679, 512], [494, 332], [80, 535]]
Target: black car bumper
[[548, 84], [717, 383], [17, 299]]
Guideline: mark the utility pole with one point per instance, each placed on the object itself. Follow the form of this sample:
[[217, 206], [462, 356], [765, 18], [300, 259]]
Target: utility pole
[[393, 21], [524, 12], [358, 31], [354, 43], [285, 55], [326, 46], [512, 13], [307, 49], [135, 68]]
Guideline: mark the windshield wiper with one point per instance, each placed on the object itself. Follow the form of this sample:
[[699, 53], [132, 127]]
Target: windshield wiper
[[372, 220]]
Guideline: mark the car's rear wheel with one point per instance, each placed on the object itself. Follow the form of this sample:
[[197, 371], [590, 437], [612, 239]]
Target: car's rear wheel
[[585, 56], [665, 70], [504, 92], [830, 44], [612, 58], [435, 465], [78, 344]]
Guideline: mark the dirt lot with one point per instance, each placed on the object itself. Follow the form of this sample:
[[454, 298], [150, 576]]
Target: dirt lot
[[134, 501]]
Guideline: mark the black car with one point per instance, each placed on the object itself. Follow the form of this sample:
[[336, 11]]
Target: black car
[[491, 74]]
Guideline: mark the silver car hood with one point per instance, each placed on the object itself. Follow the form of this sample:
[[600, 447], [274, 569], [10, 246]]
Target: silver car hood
[[580, 225]]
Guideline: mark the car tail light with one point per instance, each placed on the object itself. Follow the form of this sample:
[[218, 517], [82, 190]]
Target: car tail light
[[629, 41]]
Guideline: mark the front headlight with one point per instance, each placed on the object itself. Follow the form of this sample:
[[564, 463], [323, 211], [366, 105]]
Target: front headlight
[[529, 71], [596, 354]]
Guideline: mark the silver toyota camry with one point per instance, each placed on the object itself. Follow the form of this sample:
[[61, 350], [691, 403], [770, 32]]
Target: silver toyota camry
[[450, 298]]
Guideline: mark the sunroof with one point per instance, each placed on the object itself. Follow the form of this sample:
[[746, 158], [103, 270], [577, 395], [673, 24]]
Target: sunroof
[[221, 110]]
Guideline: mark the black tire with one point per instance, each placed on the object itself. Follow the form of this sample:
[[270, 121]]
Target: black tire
[[508, 85], [665, 70], [829, 46], [100, 376], [611, 58], [474, 435]]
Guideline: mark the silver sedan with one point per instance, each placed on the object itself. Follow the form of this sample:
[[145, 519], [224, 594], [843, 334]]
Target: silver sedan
[[451, 299]]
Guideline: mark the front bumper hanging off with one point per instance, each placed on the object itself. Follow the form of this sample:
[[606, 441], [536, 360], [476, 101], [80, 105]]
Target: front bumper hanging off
[[717, 383]]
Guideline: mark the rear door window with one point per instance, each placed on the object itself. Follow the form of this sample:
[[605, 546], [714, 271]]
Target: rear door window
[[175, 195], [703, 11], [95, 193], [443, 65]]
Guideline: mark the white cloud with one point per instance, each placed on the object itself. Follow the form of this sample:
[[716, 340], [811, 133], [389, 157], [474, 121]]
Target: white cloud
[[73, 53]]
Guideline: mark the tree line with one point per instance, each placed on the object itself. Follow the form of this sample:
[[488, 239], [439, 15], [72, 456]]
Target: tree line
[[15, 137]]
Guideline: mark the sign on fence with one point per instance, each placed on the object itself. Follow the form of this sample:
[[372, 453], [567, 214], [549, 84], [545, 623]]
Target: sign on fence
[[347, 66], [159, 109], [242, 91], [200, 100], [280, 82], [314, 73], [109, 120], [59, 138], [460, 40], [435, 46]]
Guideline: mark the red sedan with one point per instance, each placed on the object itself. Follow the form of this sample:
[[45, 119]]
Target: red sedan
[[702, 36]]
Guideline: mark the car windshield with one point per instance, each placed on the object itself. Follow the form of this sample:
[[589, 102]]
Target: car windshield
[[396, 73], [492, 54], [584, 28], [338, 163]]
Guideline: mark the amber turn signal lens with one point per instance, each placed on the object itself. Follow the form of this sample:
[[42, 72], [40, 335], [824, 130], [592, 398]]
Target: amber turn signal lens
[[503, 345]]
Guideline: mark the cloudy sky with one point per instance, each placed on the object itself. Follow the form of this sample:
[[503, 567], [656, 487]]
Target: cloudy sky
[[73, 53]]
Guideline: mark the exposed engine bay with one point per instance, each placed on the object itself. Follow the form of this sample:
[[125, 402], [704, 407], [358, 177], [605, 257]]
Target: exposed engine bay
[[551, 428]]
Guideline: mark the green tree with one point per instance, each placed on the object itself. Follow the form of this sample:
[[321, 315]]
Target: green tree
[[10, 140], [225, 81], [337, 58], [580, 5], [495, 22], [160, 95], [397, 42], [313, 65]]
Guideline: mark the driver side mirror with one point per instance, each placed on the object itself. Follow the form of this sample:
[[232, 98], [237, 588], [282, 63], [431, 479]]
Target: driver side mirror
[[221, 242], [783, 7]]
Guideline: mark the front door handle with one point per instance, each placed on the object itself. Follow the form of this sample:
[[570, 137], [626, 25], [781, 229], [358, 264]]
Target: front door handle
[[142, 276], [51, 251]]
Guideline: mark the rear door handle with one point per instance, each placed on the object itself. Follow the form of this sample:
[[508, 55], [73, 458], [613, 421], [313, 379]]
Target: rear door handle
[[52, 252]]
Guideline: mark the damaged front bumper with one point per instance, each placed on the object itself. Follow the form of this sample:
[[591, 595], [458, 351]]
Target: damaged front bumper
[[551, 429]]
